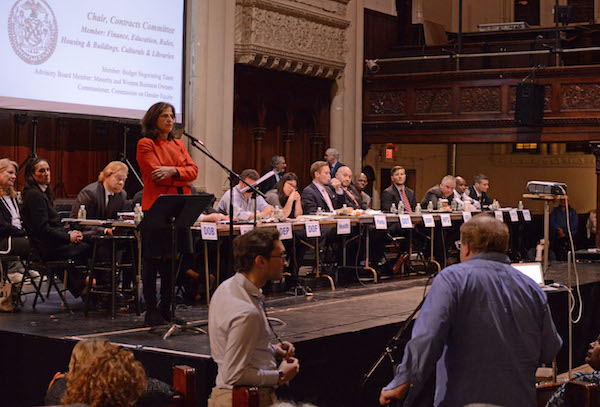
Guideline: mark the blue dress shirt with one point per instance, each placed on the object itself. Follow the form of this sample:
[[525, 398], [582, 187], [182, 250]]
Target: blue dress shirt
[[488, 327]]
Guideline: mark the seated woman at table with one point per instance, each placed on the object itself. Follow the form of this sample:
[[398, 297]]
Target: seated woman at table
[[44, 228], [104, 198], [12, 233]]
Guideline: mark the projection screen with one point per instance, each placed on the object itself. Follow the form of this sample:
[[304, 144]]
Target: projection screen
[[110, 58]]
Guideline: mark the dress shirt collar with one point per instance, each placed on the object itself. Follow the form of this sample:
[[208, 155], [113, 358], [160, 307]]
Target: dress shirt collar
[[247, 285], [107, 193], [400, 189], [320, 187], [43, 187], [492, 256]]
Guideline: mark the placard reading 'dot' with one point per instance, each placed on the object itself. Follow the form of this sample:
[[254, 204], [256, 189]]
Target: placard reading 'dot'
[[405, 222], [499, 215], [466, 216], [380, 222], [245, 229], [428, 221], [514, 216], [285, 231], [313, 229], [446, 221], [343, 226], [209, 231], [526, 215]]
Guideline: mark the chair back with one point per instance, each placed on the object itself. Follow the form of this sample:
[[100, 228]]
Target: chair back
[[435, 34]]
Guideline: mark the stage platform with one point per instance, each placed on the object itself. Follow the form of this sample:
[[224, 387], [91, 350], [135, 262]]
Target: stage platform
[[338, 334]]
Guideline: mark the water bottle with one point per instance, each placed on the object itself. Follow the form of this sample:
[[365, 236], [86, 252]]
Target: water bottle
[[454, 205], [82, 214], [19, 198], [393, 208], [400, 207], [520, 207], [138, 214], [418, 208], [319, 211], [345, 210], [277, 213], [430, 206]]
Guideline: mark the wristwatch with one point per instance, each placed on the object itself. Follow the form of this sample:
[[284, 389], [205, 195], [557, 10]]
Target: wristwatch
[[281, 375]]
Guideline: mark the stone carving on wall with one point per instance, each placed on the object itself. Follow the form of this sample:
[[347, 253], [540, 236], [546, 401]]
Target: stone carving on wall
[[480, 99], [580, 96], [512, 98], [300, 36], [433, 101], [387, 102]]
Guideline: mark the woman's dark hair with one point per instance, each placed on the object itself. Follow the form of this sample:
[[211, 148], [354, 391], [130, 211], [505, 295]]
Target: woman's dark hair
[[149, 120], [288, 176], [31, 182]]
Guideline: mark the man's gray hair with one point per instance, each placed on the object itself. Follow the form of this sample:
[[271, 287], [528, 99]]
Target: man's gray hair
[[448, 178], [334, 152], [276, 159]]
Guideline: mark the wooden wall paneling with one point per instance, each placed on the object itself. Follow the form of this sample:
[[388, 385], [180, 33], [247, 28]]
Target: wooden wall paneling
[[381, 32]]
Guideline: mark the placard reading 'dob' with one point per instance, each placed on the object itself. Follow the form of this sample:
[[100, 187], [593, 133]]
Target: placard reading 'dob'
[[343, 226], [285, 231], [313, 229], [208, 230], [380, 222]]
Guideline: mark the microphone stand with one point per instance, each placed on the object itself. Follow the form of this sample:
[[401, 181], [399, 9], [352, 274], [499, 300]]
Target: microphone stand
[[126, 161], [232, 176]]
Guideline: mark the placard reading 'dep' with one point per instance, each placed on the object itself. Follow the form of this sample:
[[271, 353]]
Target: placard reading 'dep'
[[285, 231], [428, 221], [209, 231], [245, 229], [109, 58], [343, 226], [380, 222], [446, 221], [313, 229], [405, 222], [499, 215]]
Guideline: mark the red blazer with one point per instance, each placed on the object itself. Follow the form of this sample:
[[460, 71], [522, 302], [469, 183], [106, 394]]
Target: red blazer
[[171, 153]]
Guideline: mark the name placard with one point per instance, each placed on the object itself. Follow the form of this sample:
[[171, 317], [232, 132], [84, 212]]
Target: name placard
[[285, 231], [343, 226], [428, 221], [380, 222], [446, 221], [208, 231], [514, 216], [466, 216], [245, 229], [406, 222], [526, 215], [313, 229], [499, 215]]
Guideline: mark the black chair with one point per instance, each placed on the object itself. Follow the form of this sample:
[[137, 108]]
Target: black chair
[[6, 258]]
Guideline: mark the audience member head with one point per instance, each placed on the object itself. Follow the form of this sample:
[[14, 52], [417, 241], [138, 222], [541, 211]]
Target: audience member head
[[278, 163], [447, 185], [258, 254], [562, 204], [113, 176], [159, 120], [286, 186], [331, 156], [83, 352], [461, 185], [320, 173], [398, 175], [344, 174], [111, 378], [593, 354], [360, 181], [8, 176], [482, 234], [481, 183]]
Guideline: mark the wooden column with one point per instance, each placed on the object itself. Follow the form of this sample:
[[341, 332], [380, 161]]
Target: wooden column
[[316, 141], [259, 133], [595, 145], [288, 135]]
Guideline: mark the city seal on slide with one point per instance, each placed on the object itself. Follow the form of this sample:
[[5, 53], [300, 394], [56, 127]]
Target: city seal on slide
[[32, 30]]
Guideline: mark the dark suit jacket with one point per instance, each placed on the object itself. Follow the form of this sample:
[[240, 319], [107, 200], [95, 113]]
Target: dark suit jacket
[[268, 184], [434, 194], [391, 195], [335, 167], [484, 198], [350, 202], [42, 221], [93, 197], [312, 199], [6, 227]]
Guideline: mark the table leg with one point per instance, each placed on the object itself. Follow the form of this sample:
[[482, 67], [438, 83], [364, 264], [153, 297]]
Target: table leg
[[206, 273]]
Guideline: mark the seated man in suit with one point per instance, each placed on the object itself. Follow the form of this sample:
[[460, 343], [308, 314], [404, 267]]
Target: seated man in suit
[[278, 166], [460, 196], [398, 192], [105, 197], [332, 156], [243, 204], [323, 192], [360, 183], [352, 198], [445, 190], [478, 191]]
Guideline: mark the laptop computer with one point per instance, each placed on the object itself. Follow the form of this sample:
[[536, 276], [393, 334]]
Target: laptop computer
[[532, 270]]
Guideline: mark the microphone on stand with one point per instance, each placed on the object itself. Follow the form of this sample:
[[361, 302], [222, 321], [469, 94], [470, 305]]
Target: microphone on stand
[[194, 139]]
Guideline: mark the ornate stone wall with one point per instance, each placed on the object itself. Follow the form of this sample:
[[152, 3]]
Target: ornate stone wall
[[300, 36]]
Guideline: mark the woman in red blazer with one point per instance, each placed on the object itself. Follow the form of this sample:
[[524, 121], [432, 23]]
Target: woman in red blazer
[[166, 168]]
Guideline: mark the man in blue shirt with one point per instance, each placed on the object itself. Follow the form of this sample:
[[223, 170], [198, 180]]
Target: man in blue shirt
[[485, 327]]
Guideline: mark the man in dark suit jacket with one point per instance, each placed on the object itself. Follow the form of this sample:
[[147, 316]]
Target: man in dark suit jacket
[[445, 190], [332, 157], [313, 196], [105, 197], [278, 166], [392, 194], [352, 198], [478, 191]]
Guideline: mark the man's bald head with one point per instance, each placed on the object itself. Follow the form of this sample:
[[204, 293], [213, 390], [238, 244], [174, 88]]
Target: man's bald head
[[360, 181], [461, 185], [344, 174]]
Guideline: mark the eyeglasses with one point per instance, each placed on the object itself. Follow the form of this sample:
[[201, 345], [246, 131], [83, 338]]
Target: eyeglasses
[[282, 256], [458, 244]]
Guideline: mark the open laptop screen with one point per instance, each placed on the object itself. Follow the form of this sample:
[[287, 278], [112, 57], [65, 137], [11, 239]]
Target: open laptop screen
[[532, 270]]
